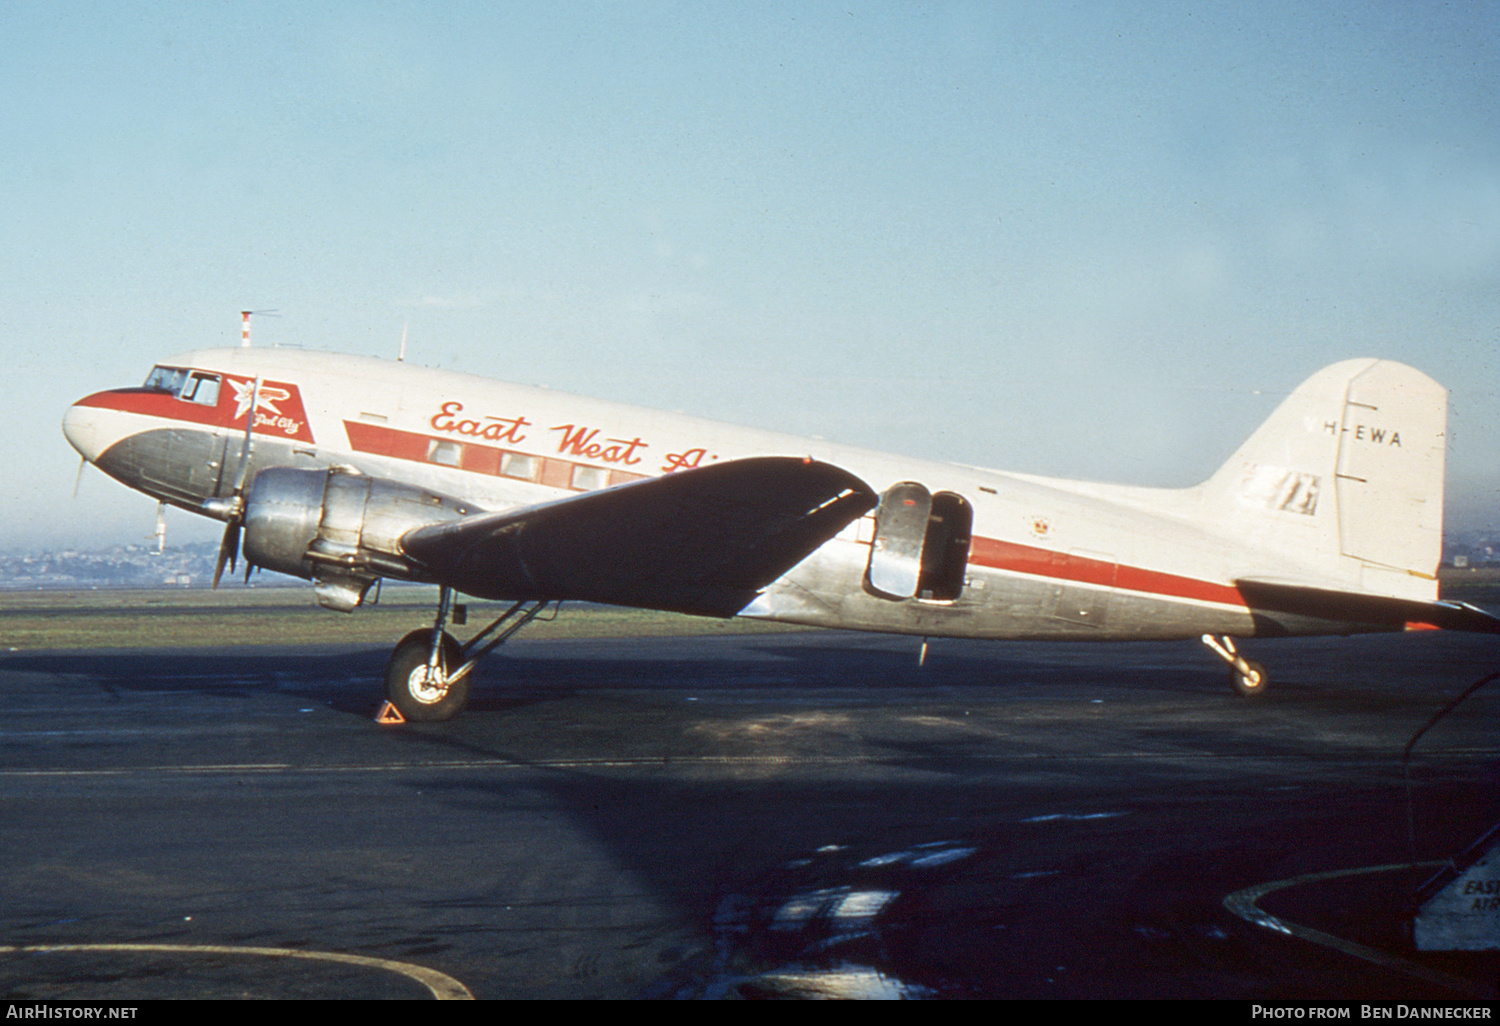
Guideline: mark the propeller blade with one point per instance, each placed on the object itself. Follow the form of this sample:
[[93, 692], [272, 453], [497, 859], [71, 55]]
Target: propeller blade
[[239, 477], [82, 462], [229, 550]]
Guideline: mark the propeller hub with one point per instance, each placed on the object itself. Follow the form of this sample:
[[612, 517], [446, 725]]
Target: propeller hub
[[224, 509]]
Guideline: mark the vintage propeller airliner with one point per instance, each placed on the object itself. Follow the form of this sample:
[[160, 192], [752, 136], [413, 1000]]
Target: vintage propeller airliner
[[346, 469]]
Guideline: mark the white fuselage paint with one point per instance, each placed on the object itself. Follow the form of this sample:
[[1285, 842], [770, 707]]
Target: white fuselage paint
[[1048, 558]]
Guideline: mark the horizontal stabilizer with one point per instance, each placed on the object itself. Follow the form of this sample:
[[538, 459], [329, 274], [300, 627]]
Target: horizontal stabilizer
[[1364, 609], [695, 541]]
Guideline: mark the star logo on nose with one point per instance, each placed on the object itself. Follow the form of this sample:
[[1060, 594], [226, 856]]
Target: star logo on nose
[[265, 398]]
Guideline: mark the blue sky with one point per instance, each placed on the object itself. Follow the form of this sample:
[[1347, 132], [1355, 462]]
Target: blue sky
[[1094, 240]]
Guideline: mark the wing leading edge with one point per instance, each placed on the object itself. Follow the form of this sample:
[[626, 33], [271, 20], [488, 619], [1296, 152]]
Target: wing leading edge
[[702, 541]]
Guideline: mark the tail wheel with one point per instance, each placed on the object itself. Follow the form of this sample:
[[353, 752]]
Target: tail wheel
[[424, 694], [1253, 680]]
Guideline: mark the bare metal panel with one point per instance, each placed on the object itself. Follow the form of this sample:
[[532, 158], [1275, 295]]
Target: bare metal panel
[[900, 530]]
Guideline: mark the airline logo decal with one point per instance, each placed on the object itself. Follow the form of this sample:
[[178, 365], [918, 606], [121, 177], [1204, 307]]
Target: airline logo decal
[[278, 407], [492, 429], [575, 440], [580, 441]]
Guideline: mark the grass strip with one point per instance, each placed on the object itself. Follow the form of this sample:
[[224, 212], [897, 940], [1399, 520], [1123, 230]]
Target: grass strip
[[290, 616]]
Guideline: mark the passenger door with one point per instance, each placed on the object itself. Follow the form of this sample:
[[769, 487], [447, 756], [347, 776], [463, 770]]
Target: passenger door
[[921, 544]]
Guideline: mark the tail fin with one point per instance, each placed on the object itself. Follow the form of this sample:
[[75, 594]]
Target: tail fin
[[1345, 479]]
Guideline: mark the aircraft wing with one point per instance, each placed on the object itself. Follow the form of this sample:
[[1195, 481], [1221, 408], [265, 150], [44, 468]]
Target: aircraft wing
[[1354, 607], [696, 541]]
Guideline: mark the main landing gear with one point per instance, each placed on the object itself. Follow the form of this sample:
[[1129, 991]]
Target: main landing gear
[[427, 678], [1247, 676]]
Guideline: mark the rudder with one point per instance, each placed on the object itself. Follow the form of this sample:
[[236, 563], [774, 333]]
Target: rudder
[[1345, 478], [1392, 450]]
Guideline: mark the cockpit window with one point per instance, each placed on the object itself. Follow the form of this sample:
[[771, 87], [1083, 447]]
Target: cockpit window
[[166, 379], [191, 386], [202, 389]]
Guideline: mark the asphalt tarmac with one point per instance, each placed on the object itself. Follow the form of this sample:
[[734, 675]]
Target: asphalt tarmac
[[794, 814]]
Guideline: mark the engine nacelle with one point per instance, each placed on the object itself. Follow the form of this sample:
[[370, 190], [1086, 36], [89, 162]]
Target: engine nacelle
[[339, 529]]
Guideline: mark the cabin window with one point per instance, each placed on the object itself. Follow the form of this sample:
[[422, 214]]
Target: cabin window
[[588, 478], [447, 453], [514, 464]]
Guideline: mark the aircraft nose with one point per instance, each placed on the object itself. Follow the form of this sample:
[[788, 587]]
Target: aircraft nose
[[80, 425]]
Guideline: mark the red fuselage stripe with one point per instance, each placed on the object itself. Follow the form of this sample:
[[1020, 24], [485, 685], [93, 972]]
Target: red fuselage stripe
[[1039, 562], [151, 403]]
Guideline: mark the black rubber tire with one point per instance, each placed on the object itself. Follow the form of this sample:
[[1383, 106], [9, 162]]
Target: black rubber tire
[[403, 682]]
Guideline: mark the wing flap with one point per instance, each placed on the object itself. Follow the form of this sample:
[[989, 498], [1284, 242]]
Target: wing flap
[[696, 541]]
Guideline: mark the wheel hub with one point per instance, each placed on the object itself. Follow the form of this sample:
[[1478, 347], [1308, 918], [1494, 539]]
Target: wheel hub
[[427, 688]]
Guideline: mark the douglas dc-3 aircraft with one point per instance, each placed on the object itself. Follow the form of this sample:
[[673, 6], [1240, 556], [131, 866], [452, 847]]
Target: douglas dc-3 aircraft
[[346, 469]]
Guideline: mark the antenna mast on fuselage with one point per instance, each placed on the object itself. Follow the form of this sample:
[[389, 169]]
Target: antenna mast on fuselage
[[245, 326]]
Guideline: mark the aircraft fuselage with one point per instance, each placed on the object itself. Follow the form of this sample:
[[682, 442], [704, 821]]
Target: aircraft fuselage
[[951, 550]]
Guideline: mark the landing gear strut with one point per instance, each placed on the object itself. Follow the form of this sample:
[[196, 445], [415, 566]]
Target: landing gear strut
[[1247, 676], [427, 678]]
